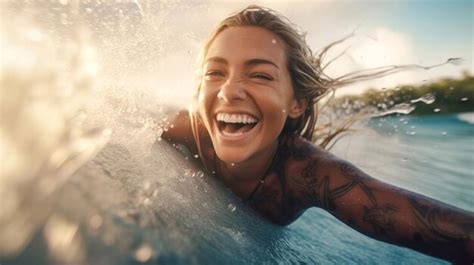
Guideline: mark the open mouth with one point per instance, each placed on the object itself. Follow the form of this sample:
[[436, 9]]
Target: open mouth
[[235, 124]]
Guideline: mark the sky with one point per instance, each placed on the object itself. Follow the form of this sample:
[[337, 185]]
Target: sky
[[424, 32], [155, 44]]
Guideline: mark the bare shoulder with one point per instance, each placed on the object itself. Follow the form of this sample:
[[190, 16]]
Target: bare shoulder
[[180, 130], [316, 175], [311, 160]]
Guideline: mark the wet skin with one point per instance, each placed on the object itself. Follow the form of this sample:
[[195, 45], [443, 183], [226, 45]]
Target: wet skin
[[297, 174], [304, 175], [245, 73]]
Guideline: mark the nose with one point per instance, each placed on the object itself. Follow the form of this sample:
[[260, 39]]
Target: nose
[[232, 90]]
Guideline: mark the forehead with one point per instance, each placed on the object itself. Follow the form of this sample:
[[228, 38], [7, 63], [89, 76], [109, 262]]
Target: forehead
[[247, 42]]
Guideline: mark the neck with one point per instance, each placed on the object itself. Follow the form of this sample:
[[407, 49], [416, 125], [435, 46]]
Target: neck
[[245, 174]]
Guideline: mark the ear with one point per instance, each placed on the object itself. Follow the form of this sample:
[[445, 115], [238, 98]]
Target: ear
[[297, 108]]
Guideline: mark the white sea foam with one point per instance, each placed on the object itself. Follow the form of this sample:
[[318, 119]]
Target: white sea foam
[[466, 117]]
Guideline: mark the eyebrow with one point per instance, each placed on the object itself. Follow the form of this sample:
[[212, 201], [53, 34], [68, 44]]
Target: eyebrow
[[250, 62]]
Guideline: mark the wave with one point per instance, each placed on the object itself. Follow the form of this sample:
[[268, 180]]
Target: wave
[[466, 117]]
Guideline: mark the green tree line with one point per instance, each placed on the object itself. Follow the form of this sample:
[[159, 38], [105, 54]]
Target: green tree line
[[443, 96]]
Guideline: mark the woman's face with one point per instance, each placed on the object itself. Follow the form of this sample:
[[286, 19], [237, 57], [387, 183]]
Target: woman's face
[[246, 93]]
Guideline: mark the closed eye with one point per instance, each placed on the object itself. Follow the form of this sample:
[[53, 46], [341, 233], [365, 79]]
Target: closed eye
[[213, 74], [262, 76]]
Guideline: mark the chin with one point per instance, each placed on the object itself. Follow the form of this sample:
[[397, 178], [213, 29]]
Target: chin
[[231, 155]]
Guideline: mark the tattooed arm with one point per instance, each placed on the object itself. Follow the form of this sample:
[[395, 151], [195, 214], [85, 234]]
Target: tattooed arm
[[389, 213]]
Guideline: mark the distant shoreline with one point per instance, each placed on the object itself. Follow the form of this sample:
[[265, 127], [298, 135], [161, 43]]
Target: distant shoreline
[[445, 96]]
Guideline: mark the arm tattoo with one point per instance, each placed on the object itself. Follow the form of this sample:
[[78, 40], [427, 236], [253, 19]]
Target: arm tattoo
[[430, 218], [380, 217]]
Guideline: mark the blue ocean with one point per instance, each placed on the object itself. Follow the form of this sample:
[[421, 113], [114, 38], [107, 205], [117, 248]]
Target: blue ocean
[[129, 205]]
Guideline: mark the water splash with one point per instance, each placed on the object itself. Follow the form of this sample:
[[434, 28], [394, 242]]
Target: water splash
[[427, 99], [44, 87], [402, 108]]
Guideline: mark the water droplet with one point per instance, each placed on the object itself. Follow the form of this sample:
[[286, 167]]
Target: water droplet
[[444, 133], [143, 253], [63, 2], [213, 172], [411, 133], [283, 110], [95, 221], [404, 159], [146, 201], [274, 41], [231, 207], [196, 156], [464, 99], [62, 238], [232, 164], [437, 110], [200, 174]]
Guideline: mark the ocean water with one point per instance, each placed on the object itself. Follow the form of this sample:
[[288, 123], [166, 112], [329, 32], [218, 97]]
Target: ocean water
[[432, 155], [85, 178], [129, 205]]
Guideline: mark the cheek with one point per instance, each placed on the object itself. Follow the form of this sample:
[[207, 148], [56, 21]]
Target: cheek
[[203, 106]]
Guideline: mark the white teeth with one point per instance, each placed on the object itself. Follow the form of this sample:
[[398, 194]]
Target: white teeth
[[236, 118]]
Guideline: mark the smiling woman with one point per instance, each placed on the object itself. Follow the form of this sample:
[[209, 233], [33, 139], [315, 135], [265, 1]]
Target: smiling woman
[[250, 79], [252, 122]]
